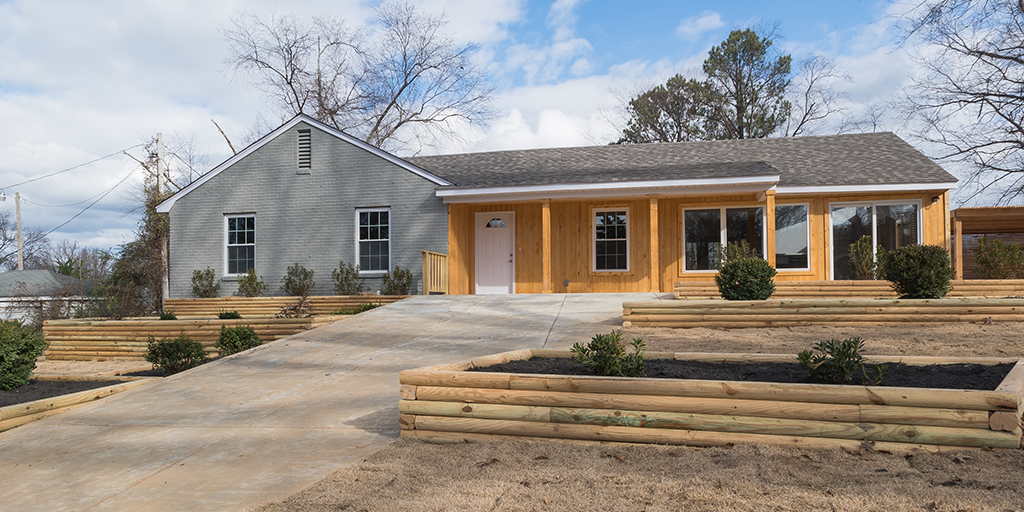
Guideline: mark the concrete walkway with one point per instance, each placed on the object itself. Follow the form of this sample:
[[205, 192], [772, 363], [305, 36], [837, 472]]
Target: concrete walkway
[[263, 425]]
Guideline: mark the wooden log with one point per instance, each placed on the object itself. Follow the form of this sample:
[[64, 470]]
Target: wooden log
[[504, 357], [782, 318], [645, 435], [775, 426], [1005, 421], [761, 408], [642, 314], [924, 416], [486, 411], [453, 378], [407, 421], [46, 404], [7, 424], [87, 378], [407, 392]]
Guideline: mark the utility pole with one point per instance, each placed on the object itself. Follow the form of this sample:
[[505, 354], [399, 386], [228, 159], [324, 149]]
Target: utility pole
[[17, 208], [165, 280]]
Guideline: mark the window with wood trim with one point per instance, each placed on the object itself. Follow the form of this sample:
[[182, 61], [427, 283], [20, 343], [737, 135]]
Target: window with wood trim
[[241, 244], [305, 150], [706, 231], [792, 237], [611, 240]]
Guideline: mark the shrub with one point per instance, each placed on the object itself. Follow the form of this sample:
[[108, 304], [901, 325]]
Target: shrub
[[20, 345], [606, 355], [297, 281], [918, 271], [249, 285], [301, 309], [236, 339], [168, 315], [865, 264], [229, 315], [175, 355], [744, 276], [366, 306], [838, 361], [346, 279], [998, 260], [398, 282], [204, 284]]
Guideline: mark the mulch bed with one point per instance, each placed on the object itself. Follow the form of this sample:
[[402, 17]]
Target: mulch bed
[[40, 389], [945, 376]]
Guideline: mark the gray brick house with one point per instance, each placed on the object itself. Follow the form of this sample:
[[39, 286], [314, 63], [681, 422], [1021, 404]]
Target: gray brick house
[[310, 194]]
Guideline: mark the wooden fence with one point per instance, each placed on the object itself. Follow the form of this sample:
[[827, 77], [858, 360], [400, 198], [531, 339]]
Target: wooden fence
[[270, 306], [976, 288], [435, 273], [794, 312], [88, 339]]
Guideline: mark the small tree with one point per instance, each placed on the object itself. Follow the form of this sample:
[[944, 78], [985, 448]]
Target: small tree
[[251, 285], [864, 262], [297, 281], [397, 282], [346, 279], [919, 271], [204, 284], [20, 345], [233, 340]]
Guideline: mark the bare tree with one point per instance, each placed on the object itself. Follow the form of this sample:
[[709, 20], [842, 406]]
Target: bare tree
[[814, 95], [970, 100], [85, 263], [35, 245], [376, 86]]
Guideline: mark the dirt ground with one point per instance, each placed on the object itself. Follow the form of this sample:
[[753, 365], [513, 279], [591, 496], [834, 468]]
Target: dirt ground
[[512, 476]]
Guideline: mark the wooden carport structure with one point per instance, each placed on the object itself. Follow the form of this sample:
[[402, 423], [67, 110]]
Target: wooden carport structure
[[989, 220]]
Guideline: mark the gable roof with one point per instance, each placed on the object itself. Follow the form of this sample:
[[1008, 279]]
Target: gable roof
[[165, 206], [40, 283], [881, 161]]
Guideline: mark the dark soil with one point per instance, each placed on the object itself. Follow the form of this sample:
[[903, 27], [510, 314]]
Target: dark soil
[[155, 372], [40, 389], [945, 376]]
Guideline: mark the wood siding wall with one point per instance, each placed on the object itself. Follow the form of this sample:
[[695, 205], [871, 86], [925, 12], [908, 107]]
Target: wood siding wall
[[572, 239]]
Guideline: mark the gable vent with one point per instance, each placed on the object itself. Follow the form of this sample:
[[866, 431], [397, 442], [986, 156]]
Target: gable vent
[[305, 150]]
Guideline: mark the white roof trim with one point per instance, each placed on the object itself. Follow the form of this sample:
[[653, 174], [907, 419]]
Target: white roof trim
[[896, 187], [165, 206], [609, 189]]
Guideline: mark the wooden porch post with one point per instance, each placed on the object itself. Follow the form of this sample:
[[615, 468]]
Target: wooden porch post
[[655, 266], [546, 246], [958, 248], [769, 226]]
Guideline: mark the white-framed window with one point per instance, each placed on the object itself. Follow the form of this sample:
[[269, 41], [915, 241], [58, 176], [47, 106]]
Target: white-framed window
[[240, 243], [792, 237], [611, 239], [373, 240], [888, 224], [707, 230]]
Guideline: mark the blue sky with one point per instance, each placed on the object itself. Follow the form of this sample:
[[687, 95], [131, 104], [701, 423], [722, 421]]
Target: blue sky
[[81, 79]]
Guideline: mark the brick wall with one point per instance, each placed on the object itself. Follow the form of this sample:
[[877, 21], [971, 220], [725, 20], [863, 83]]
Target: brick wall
[[305, 218]]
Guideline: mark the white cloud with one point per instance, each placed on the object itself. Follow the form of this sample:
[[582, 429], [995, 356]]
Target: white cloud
[[692, 28]]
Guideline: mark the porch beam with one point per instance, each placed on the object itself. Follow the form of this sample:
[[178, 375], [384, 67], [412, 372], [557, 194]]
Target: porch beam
[[655, 265], [769, 226], [958, 247], [546, 246]]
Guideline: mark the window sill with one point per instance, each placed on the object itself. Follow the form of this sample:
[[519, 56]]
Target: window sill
[[231, 278], [599, 273]]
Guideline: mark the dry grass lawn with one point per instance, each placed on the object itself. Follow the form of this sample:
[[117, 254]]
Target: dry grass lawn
[[508, 476]]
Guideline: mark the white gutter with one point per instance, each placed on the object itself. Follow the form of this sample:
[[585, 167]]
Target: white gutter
[[840, 189], [609, 189]]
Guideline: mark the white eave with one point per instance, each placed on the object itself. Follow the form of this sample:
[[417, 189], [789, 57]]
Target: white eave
[[845, 189], [165, 206], [610, 189]]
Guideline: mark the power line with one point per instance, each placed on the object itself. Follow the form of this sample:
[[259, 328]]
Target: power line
[[86, 200], [111, 189], [73, 168]]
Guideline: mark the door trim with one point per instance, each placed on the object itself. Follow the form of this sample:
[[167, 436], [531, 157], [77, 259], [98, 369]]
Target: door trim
[[476, 247]]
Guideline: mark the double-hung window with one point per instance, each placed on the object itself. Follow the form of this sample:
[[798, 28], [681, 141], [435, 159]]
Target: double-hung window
[[611, 240], [241, 243], [706, 231], [373, 237]]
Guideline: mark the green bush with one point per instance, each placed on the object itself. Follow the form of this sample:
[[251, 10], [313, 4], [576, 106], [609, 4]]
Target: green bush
[[865, 264], [398, 282], [175, 355], [20, 345], [366, 306], [205, 284], [233, 340], [297, 281], [606, 355], [918, 271], [838, 361], [251, 285], [168, 315], [745, 278], [229, 315], [346, 279], [998, 260]]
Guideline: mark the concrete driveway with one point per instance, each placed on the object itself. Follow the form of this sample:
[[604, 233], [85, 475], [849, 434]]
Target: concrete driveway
[[262, 425]]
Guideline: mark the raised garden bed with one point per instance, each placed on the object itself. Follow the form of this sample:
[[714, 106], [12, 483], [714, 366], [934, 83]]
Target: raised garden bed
[[270, 306], [797, 312], [449, 403], [23, 405]]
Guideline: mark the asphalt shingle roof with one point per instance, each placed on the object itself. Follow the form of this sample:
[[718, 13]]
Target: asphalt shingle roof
[[35, 283], [853, 159]]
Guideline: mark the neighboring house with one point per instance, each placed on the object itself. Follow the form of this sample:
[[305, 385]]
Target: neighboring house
[[32, 295], [637, 218], [627, 218], [309, 194]]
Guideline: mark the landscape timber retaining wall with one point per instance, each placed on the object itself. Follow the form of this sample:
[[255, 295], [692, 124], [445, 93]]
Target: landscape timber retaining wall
[[796, 312], [19, 414], [87, 339], [270, 306], [976, 288], [445, 403]]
